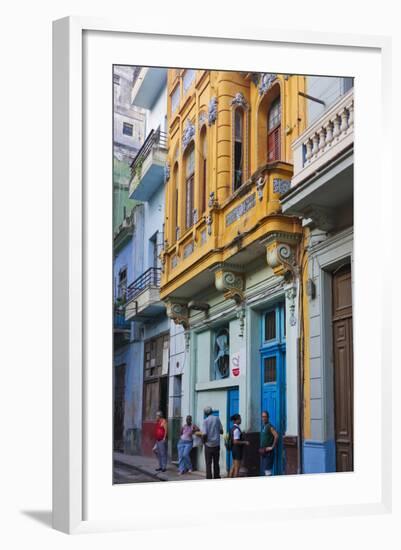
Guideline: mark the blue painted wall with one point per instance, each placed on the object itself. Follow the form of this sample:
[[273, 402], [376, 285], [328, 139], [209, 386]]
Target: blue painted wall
[[121, 260], [319, 457]]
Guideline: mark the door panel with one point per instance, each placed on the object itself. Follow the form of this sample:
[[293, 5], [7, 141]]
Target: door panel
[[119, 407], [232, 408], [273, 374], [343, 368]]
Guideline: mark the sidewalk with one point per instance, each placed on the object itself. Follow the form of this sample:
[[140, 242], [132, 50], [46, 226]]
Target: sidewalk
[[147, 465]]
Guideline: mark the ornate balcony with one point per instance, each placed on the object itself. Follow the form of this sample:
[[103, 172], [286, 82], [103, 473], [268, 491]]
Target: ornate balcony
[[322, 184], [148, 167], [231, 233], [148, 84], [143, 297], [123, 233]]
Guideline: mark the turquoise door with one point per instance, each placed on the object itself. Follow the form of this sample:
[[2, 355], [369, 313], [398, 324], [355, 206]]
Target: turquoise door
[[232, 408], [272, 361]]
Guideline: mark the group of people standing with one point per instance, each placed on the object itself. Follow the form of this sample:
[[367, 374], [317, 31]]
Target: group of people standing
[[210, 435]]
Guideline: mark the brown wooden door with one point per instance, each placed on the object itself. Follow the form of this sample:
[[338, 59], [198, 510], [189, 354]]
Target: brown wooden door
[[343, 369], [119, 406]]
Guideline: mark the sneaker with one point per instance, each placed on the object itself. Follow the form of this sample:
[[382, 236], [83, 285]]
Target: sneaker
[[158, 470], [163, 469], [181, 473], [190, 471]]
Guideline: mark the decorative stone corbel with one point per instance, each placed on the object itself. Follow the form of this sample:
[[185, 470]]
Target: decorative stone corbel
[[281, 253], [178, 312], [232, 284]]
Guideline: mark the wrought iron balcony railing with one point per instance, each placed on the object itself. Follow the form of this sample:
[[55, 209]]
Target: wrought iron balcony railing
[[150, 278], [156, 139]]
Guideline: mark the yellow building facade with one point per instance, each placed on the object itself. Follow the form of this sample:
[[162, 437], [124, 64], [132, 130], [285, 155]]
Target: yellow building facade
[[230, 260], [215, 117]]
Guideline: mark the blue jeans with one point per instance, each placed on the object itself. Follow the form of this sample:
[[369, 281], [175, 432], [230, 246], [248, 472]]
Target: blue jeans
[[184, 449], [162, 453], [267, 463]]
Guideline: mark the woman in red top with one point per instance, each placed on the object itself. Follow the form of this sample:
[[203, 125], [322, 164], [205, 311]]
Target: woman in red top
[[161, 441]]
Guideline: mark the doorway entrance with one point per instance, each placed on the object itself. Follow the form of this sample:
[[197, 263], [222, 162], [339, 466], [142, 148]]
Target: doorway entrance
[[232, 408], [343, 368], [119, 406], [155, 387], [272, 363]]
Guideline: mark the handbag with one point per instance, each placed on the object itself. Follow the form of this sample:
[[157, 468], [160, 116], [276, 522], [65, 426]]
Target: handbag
[[196, 441]]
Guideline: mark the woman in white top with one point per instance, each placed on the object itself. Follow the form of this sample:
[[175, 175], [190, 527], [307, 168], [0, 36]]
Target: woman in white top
[[184, 446], [237, 445]]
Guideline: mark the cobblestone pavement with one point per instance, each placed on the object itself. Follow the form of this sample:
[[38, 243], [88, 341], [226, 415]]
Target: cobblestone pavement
[[122, 473]]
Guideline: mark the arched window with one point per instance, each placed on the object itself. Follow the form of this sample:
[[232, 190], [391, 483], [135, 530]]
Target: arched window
[[203, 173], [238, 148], [189, 186], [274, 131], [174, 202]]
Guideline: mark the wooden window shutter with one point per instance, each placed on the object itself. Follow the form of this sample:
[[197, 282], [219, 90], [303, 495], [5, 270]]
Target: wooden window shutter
[[273, 146]]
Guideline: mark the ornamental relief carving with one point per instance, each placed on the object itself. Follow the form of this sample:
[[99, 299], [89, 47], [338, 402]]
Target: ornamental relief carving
[[266, 81], [239, 100], [212, 111], [232, 284], [188, 133]]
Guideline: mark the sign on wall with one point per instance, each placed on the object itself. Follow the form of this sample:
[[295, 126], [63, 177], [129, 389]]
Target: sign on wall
[[235, 364]]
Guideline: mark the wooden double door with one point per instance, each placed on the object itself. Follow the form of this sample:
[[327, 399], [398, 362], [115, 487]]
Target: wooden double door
[[343, 368]]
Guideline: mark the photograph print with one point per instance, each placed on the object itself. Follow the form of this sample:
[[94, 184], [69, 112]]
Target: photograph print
[[232, 274]]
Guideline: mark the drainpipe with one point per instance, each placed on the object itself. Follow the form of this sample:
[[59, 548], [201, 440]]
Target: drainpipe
[[301, 381], [300, 404]]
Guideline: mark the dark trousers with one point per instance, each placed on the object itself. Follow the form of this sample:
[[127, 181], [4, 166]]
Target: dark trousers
[[212, 454]]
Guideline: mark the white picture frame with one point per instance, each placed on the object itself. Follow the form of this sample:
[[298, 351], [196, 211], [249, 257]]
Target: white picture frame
[[73, 475]]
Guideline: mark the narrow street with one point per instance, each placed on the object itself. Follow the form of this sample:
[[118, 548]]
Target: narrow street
[[123, 473]]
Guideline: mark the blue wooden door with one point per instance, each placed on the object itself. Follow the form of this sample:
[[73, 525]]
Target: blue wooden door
[[272, 361], [232, 408]]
